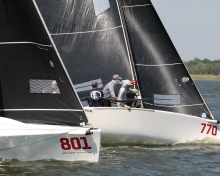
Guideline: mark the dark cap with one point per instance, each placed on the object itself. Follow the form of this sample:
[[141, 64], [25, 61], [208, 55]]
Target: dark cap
[[116, 77], [94, 83]]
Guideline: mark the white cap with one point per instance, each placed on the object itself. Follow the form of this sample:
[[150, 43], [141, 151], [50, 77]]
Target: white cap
[[54, 82]]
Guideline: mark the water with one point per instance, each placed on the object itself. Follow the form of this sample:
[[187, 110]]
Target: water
[[182, 159], [210, 91]]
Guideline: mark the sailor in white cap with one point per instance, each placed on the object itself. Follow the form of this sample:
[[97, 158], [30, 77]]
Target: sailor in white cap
[[122, 94], [53, 89]]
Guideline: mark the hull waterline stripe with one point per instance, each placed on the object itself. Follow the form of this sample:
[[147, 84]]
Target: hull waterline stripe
[[41, 110], [137, 6], [86, 31], [10, 43], [158, 65]]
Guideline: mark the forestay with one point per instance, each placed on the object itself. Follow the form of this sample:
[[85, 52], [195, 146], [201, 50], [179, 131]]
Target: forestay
[[99, 38], [29, 65]]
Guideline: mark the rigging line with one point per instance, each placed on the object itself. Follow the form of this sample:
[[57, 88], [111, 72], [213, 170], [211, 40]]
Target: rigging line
[[36, 141], [41, 110], [137, 6], [174, 106], [8, 43], [159, 65], [86, 31], [32, 129], [29, 127], [129, 100]]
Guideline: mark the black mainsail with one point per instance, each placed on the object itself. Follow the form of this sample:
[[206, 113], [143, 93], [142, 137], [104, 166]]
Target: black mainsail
[[161, 73], [29, 64], [92, 46], [98, 38]]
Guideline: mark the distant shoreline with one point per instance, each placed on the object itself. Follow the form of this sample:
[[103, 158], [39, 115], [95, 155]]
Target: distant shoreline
[[205, 77]]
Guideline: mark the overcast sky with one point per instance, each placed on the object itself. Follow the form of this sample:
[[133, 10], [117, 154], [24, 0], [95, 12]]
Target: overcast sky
[[193, 26]]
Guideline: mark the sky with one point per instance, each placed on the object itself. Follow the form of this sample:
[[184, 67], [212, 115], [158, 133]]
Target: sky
[[193, 26]]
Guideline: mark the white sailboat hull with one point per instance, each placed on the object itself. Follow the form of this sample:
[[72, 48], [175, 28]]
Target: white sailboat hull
[[28, 142], [141, 126]]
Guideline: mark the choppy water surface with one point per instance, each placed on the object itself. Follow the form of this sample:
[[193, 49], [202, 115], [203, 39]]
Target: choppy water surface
[[182, 159]]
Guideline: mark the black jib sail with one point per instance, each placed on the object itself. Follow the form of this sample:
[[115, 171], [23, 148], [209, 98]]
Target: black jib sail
[[34, 85], [98, 38]]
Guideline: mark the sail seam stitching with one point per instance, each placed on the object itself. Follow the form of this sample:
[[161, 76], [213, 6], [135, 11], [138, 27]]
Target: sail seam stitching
[[86, 31], [158, 65], [7, 43], [137, 6]]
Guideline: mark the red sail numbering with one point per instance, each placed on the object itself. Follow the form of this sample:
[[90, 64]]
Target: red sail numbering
[[74, 143], [208, 128]]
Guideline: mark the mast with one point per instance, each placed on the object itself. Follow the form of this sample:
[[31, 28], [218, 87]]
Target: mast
[[130, 56], [126, 40]]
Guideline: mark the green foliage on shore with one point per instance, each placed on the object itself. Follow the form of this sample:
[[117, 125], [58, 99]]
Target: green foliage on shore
[[205, 66]]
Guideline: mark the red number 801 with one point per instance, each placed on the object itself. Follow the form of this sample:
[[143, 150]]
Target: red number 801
[[74, 143]]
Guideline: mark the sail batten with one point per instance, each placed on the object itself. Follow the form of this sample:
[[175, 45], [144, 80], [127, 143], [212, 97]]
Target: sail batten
[[158, 65], [87, 31], [137, 6], [8, 43]]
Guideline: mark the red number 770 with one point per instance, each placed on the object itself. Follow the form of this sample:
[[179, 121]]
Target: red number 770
[[210, 127]]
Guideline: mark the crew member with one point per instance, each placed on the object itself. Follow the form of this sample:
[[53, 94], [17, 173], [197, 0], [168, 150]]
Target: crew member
[[122, 95], [95, 95], [53, 89], [109, 90]]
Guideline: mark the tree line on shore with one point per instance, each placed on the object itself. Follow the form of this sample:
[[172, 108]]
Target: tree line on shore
[[205, 66]]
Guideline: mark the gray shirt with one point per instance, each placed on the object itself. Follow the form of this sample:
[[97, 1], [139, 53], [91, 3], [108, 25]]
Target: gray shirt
[[109, 89], [122, 93]]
